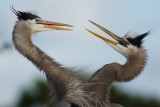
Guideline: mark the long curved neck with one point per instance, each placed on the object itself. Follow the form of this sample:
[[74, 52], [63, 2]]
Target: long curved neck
[[133, 67], [101, 81], [63, 79]]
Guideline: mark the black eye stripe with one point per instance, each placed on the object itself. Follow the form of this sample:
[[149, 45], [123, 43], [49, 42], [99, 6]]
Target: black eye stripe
[[137, 41], [24, 15]]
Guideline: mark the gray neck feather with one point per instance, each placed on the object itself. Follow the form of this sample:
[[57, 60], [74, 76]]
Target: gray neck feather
[[65, 82], [100, 83]]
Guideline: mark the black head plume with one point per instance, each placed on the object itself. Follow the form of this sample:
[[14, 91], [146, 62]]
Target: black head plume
[[24, 15], [137, 41]]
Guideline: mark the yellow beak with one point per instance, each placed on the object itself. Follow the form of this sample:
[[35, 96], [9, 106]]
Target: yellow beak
[[103, 38], [117, 38], [55, 25]]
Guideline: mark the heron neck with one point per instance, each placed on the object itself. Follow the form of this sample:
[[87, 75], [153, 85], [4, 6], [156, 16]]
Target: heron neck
[[133, 66], [63, 79], [100, 83]]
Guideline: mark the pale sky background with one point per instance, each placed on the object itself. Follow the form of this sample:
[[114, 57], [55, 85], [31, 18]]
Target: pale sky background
[[78, 47]]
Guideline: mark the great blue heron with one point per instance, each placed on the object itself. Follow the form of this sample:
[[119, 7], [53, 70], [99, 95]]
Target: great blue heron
[[70, 91], [129, 46], [68, 88]]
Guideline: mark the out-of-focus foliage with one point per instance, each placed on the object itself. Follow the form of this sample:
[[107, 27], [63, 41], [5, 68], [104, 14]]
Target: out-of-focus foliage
[[129, 101], [38, 97]]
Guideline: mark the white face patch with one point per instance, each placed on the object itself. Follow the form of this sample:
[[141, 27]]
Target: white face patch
[[131, 50], [36, 27], [119, 48], [125, 51]]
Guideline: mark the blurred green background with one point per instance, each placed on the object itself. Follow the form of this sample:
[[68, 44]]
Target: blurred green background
[[40, 96]]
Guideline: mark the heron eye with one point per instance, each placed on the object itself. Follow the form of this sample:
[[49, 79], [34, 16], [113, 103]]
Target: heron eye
[[127, 42], [36, 20]]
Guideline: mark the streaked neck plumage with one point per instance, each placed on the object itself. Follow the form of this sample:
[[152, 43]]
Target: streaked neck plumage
[[100, 83], [63, 79]]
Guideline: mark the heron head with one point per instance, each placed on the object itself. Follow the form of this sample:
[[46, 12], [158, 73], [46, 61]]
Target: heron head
[[126, 45], [36, 23]]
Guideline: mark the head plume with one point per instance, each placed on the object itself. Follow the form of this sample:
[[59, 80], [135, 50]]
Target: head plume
[[138, 40], [24, 15]]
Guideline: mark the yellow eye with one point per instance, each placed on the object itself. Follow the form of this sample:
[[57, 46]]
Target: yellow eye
[[37, 20], [127, 42]]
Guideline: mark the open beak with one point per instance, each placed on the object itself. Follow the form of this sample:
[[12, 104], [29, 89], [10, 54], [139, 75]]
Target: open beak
[[117, 38], [55, 25]]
